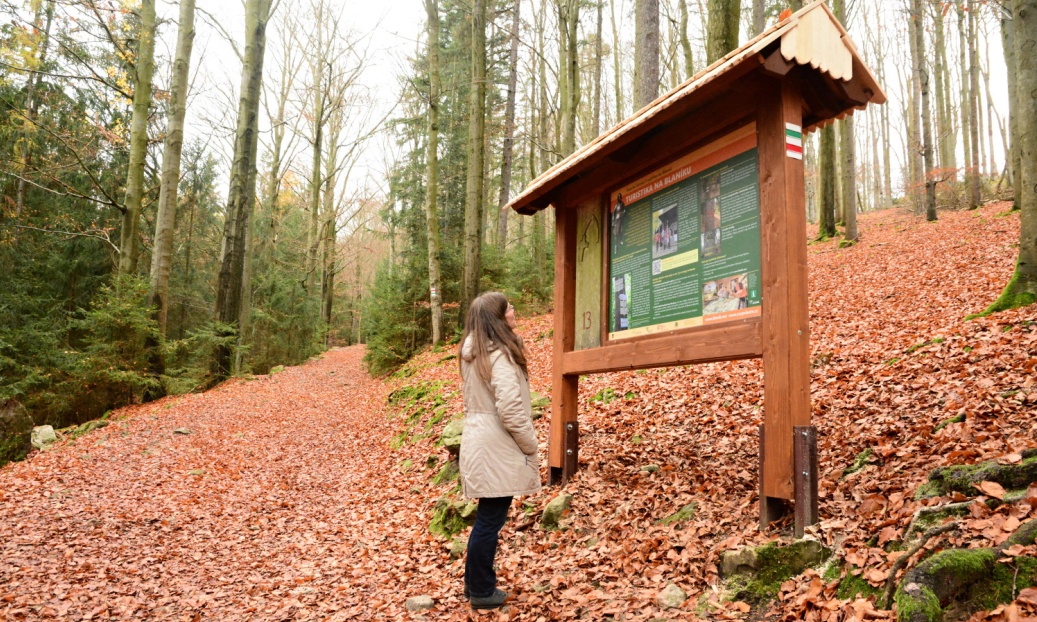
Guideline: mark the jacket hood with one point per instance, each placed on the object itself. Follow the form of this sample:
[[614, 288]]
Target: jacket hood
[[468, 350]]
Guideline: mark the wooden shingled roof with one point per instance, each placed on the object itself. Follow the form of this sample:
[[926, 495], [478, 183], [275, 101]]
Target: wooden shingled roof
[[810, 38]]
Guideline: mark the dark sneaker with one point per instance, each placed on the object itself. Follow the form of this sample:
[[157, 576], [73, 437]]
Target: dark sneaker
[[493, 601]]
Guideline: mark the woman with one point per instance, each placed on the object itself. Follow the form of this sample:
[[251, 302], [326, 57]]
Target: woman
[[499, 447]]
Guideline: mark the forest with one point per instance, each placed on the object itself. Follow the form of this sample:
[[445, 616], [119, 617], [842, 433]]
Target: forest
[[145, 257], [197, 197]]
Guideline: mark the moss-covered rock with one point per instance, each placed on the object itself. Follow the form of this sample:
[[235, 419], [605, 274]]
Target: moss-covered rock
[[451, 436], [1000, 587], [43, 437], [87, 428], [937, 581], [962, 477], [671, 597], [917, 603], [449, 473], [755, 574], [555, 510], [956, 583], [450, 517]]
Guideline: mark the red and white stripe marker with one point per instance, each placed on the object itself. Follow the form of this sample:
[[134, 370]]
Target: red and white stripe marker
[[794, 141]]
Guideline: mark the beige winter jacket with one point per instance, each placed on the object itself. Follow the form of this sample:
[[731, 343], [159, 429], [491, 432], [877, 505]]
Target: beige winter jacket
[[498, 446]]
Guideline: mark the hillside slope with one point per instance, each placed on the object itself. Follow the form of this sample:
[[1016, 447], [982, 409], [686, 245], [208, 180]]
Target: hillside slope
[[307, 494], [893, 359]]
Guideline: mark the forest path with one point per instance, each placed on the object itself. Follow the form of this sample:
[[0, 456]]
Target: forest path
[[273, 507]]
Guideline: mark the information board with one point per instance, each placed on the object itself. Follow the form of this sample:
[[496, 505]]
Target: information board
[[684, 242]]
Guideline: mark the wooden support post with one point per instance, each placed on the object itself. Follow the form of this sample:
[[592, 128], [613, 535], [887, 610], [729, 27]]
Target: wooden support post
[[563, 443], [786, 334], [805, 458], [771, 508]]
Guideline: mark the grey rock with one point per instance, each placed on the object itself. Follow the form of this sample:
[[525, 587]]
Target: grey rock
[[793, 558], [15, 432], [449, 473], [182, 431], [457, 547], [671, 597], [552, 515], [451, 436], [420, 603], [43, 437], [742, 561]]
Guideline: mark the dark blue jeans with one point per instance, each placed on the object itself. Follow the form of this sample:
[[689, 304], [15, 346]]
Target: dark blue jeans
[[482, 546]]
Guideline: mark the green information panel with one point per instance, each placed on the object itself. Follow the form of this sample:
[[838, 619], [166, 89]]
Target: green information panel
[[684, 247]]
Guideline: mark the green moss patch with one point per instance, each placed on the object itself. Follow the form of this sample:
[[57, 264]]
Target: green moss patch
[[540, 404], [862, 460], [852, 583], [960, 478], [1016, 294], [918, 604], [685, 513], [449, 473], [944, 424], [1002, 586], [416, 403], [772, 565], [451, 517]]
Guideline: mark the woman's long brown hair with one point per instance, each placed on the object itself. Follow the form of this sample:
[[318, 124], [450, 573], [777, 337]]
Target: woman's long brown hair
[[486, 326]]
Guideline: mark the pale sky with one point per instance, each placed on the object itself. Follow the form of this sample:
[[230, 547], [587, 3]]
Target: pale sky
[[390, 30]]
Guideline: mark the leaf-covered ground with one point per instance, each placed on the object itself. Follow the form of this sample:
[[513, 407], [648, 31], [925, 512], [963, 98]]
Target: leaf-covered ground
[[302, 495]]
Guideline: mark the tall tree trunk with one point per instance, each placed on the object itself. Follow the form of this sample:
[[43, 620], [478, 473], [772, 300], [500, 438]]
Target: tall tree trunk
[[569, 71], [1021, 289], [963, 83], [32, 105], [916, 167], [877, 198], [509, 128], [944, 130], [722, 31], [992, 166], [646, 52], [432, 170], [689, 59], [329, 226], [826, 173], [598, 57], [759, 17], [271, 200], [617, 65], [918, 32], [242, 194], [144, 68], [472, 266], [812, 194], [1012, 152], [848, 153], [165, 219], [977, 156], [316, 173]]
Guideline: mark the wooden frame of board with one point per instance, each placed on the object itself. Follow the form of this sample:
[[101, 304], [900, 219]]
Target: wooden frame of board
[[799, 75]]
